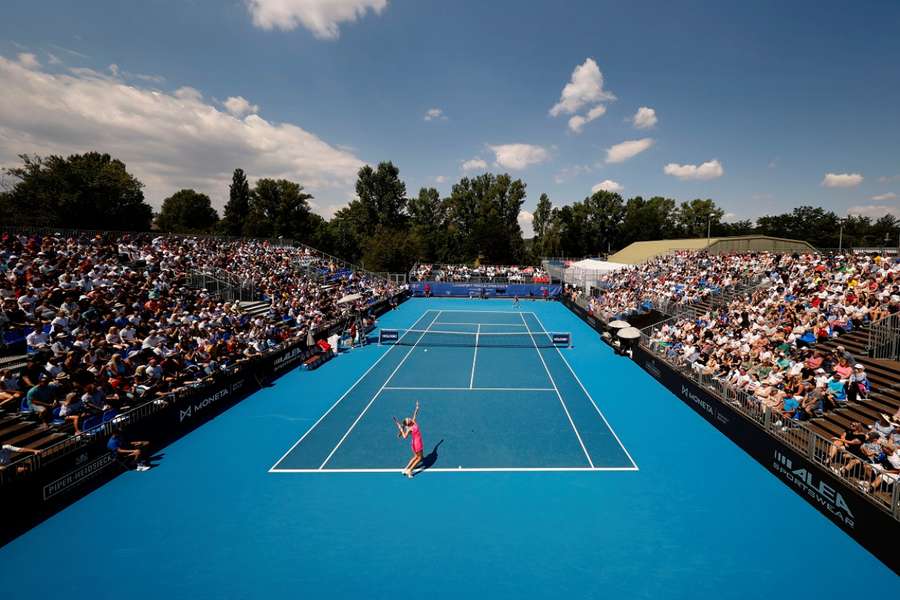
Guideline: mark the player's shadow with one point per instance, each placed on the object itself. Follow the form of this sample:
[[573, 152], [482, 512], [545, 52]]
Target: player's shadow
[[429, 459]]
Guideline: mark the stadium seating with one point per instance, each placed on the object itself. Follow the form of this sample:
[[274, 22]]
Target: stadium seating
[[479, 274], [112, 321]]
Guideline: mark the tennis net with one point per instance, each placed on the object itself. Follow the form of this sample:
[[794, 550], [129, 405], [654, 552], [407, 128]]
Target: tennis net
[[466, 339]]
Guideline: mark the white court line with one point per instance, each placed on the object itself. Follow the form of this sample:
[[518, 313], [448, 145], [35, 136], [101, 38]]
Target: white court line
[[378, 393], [344, 395], [482, 324], [474, 357], [472, 389], [464, 470], [499, 312], [584, 389], [556, 389]]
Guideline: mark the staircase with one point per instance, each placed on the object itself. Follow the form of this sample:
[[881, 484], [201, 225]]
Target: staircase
[[254, 307], [884, 376]]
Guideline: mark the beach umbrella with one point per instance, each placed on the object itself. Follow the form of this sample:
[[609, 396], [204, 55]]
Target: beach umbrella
[[618, 324], [349, 298], [629, 333]]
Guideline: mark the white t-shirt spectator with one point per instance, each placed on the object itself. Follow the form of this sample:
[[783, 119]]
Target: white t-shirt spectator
[[37, 339]]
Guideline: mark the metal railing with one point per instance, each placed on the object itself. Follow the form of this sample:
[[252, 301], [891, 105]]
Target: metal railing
[[223, 285], [884, 338], [796, 434]]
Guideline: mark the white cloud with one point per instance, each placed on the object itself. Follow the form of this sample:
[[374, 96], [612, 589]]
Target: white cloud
[[168, 140], [708, 170], [883, 197], [474, 164], [585, 87], [53, 59], [519, 156], [567, 173], [888, 178], [440, 179], [644, 118], [874, 211], [321, 17], [526, 222], [435, 113], [240, 107], [29, 60], [148, 78], [608, 185], [834, 180], [577, 123], [625, 150]]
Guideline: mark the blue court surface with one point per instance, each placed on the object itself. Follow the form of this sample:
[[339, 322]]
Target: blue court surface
[[551, 472], [495, 395]]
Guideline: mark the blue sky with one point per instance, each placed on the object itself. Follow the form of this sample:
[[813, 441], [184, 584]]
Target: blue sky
[[753, 104]]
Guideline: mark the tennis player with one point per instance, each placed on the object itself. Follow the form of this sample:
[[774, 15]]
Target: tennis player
[[410, 427]]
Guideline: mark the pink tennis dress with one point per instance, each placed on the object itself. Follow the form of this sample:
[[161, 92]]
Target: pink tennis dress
[[417, 445]]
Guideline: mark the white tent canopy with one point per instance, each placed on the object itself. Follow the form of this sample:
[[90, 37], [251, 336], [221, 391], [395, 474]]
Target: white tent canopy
[[592, 264], [585, 273]]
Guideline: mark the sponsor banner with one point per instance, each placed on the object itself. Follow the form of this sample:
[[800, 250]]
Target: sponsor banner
[[289, 359], [389, 335], [845, 506], [202, 403], [81, 473], [562, 339]]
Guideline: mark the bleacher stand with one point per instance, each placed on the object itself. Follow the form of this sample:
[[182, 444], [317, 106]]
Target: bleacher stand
[[95, 324]]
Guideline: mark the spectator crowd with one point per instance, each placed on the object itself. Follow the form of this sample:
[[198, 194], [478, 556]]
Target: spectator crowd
[[479, 273], [110, 321], [767, 343]]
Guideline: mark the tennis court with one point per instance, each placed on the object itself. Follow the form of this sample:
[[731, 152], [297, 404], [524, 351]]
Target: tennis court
[[700, 519], [496, 394]]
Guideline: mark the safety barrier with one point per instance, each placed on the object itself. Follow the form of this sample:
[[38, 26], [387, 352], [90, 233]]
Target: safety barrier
[[793, 433], [884, 338], [862, 505]]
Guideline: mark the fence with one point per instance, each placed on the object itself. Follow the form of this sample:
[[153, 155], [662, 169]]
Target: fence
[[884, 338], [223, 285], [796, 434]]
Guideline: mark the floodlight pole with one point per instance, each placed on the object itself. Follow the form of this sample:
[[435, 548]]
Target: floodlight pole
[[841, 238], [708, 225]]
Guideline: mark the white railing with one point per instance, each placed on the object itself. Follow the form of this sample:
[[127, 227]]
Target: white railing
[[796, 434]]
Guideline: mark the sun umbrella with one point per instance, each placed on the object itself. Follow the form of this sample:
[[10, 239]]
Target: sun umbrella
[[349, 298], [629, 333], [618, 324]]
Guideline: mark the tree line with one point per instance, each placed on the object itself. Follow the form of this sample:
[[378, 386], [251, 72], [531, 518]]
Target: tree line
[[384, 229]]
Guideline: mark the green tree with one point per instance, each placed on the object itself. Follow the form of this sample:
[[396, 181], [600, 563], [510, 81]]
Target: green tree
[[280, 208], [187, 211], [382, 194], [605, 213], [390, 250], [541, 224], [652, 219], [87, 191], [483, 219], [813, 224], [238, 206], [692, 217], [427, 216]]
